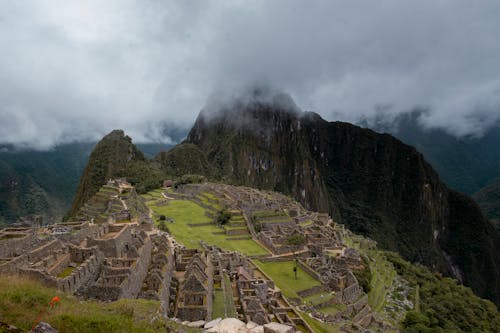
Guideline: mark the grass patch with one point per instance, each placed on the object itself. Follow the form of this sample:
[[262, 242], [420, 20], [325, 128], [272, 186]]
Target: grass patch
[[318, 326], [383, 275], [333, 308], [186, 212], [318, 298], [282, 274], [66, 272], [22, 300], [218, 307], [306, 223], [228, 298]]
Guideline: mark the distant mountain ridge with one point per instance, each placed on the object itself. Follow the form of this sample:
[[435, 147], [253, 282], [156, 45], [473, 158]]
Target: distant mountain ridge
[[488, 199], [45, 182], [465, 164]]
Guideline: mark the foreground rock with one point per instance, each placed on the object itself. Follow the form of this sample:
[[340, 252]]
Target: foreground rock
[[229, 325], [212, 323], [198, 323], [43, 327], [233, 325], [277, 328]]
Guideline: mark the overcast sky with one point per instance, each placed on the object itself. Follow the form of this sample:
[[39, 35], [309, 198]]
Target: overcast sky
[[74, 70]]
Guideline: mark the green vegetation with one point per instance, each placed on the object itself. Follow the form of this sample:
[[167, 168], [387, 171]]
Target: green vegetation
[[283, 275], [382, 275], [189, 179], [223, 217], [445, 306], [187, 214], [22, 301], [229, 306], [295, 240], [184, 158], [66, 272], [162, 225], [218, 306], [318, 326], [364, 276], [40, 182], [115, 156]]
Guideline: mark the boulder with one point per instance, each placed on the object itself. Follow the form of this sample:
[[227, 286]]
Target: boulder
[[198, 323], [257, 329], [229, 325], [251, 324], [212, 323], [277, 328], [43, 327]]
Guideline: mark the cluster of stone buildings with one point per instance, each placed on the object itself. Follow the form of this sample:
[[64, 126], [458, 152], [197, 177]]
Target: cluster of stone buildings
[[117, 201], [273, 218], [117, 256]]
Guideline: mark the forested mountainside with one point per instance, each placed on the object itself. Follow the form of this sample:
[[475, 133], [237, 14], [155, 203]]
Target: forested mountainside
[[465, 164], [44, 182], [488, 199], [374, 183]]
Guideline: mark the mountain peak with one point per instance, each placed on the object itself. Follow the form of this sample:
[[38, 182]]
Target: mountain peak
[[373, 183], [109, 159]]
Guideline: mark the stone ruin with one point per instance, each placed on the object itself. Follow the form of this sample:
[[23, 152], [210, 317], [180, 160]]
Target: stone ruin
[[108, 260]]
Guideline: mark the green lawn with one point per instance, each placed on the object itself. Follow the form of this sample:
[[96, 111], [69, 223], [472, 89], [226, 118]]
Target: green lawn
[[186, 212], [318, 326], [228, 297], [66, 272], [318, 298], [218, 305], [282, 274], [383, 275]]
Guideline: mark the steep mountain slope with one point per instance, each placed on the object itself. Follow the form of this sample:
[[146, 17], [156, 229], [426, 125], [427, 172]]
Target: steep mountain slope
[[183, 159], [465, 164], [44, 182], [115, 156], [33, 182], [373, 183], [488, 199]]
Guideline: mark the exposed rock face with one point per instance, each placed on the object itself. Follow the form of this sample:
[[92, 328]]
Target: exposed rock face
[[372, 182]]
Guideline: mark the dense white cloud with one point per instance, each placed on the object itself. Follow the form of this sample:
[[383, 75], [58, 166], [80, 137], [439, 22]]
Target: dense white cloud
[[73, 70]]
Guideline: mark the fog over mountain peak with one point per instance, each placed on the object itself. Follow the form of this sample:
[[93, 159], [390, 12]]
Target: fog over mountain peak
[[74, 71]]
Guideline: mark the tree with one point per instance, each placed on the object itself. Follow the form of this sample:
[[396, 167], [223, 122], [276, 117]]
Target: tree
[[163, 226], [223, 217]]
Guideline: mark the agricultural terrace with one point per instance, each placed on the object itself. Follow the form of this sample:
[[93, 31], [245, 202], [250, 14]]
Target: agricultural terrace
[[194, 223]]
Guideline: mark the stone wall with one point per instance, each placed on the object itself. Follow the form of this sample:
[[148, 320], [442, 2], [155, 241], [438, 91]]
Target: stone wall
[[116, 245], [308, 269], [15, 247], [310, 291], [132, 286], [81, 275], [44, 251]]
